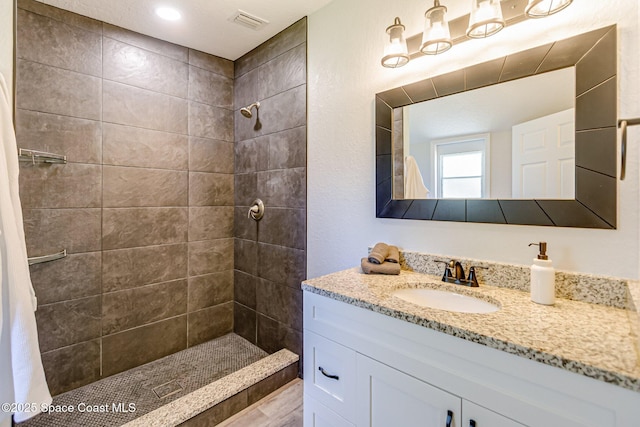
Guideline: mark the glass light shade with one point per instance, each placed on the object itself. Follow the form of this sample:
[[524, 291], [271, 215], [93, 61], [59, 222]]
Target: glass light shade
[[396, 53], [485, 19], [543, 8], [436, 37]]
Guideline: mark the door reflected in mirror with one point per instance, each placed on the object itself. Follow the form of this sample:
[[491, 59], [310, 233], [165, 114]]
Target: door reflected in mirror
[[514, 140]]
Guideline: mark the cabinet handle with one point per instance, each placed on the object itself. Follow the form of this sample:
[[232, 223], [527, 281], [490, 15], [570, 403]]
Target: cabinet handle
[[449, 418], [472, 423], [333, 377]]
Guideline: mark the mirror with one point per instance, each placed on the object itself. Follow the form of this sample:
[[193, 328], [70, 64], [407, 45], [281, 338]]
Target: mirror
[[509, 140], [587, 194]]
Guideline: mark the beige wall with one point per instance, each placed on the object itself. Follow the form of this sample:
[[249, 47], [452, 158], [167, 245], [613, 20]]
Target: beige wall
[[6, 41], [345, 73]]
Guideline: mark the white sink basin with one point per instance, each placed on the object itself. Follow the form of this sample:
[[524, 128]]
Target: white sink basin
[[444, 300]]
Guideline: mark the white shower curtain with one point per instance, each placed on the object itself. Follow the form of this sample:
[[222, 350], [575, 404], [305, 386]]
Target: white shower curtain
[[22, 378]]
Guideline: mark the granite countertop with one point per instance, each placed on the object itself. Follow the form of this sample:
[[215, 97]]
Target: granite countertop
[[594, 340]]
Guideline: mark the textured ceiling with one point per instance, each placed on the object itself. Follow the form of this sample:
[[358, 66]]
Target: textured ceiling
[[204, 25]]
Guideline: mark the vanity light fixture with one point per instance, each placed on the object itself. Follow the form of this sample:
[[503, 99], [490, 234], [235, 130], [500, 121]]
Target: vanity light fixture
[[168, 13], [543, 8], [396, 53], [436, 37], [485, 19]]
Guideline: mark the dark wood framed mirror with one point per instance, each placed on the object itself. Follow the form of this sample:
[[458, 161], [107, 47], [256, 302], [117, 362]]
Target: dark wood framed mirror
[[594, 56]]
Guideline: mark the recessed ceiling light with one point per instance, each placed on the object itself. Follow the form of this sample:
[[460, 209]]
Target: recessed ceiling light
[[168, 13]]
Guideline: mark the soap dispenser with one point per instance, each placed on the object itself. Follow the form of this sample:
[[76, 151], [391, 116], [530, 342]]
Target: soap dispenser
[[543, 277]]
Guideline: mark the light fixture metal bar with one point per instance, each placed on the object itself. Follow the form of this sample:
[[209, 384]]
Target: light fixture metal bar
[[512, 11]]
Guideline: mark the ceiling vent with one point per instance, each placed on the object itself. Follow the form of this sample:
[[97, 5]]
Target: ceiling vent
[[248, 20]]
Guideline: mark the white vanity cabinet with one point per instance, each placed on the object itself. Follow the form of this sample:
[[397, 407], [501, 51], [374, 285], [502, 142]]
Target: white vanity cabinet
[[381, 371]]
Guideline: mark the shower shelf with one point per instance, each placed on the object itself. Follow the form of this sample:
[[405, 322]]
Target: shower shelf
[[34, 156], [47, 258]]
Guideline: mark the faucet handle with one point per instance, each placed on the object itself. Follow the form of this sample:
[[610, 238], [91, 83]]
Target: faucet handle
[[472, 275], [447, 269]]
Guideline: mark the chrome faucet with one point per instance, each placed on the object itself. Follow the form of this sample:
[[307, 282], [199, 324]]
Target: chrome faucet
[[454, 273]]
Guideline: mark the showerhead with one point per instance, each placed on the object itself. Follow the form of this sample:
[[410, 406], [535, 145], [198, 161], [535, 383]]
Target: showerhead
[[246, 111]]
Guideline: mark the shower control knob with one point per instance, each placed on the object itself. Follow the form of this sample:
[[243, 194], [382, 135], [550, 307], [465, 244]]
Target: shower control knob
[[256, 211]]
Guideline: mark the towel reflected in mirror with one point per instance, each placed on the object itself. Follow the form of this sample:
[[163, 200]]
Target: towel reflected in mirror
[[414, 187]]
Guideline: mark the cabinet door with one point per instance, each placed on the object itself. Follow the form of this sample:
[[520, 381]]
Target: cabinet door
[[477, 416], [318, 415], [388, 397]]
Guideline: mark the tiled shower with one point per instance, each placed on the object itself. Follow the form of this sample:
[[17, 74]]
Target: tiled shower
[[149, 206]]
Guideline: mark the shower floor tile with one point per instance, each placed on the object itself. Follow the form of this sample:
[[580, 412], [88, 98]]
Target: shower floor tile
[[123, 397]]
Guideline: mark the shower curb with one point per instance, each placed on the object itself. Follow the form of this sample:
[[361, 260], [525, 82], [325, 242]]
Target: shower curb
[[203, 402]]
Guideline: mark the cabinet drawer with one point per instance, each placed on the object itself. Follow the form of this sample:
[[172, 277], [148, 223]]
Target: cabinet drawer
[[483, 417], [330, 374], [318, 415]]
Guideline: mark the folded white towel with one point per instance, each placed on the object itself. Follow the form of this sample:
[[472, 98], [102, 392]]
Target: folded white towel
[[414, 187], [23, 379]]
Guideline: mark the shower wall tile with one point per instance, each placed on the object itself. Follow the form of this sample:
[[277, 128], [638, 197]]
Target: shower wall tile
[[128, 105], [270, 159], [289, 308], [46, 41], [252, 155], [210, 323], [244, 227], [138, 346], [70, 185], [151, 44], [210, 189], [211, 63], [246, 90], [148, 130], [210, 289], [281, 265], [273, 336], [64, 323], [137, 187], [134, 227], [244, 322], [210, 222], [246, 188], [210, 88], [136, 307], [73, 277], [285, 110], [287, 149], [246, 256], [130, 268], [61, 15], [284, 72], [280, 43], [138, 67], [78, 139], [284, 227], [283, 188], [207, 121], [132, 146], [245, 289], [210, 256], [72, 367], [51, 230], [54, 90], [210, 155]]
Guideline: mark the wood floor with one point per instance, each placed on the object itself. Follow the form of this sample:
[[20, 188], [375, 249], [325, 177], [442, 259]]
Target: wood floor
[[282, 408]]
